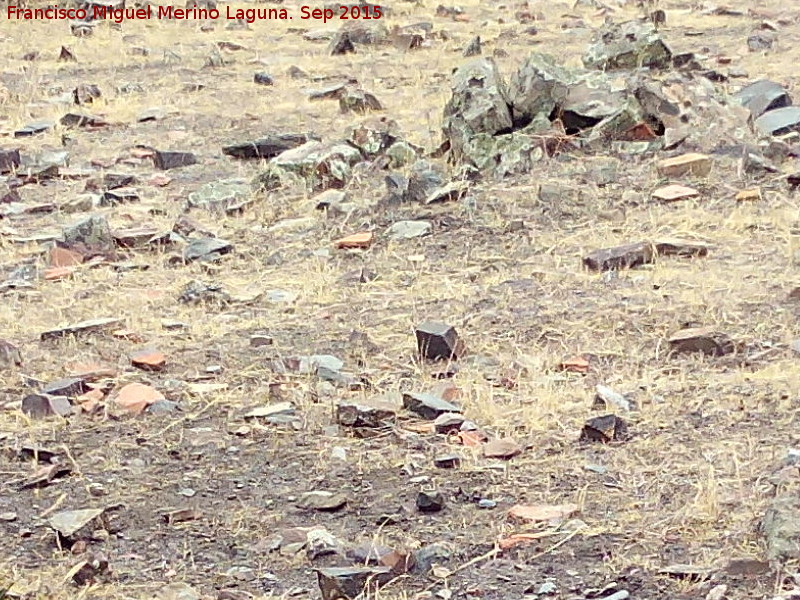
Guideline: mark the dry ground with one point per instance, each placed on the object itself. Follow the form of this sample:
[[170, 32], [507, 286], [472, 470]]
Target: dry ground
[[689, 487]]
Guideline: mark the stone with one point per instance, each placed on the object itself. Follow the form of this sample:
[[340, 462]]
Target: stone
[[260, 340], [149, 360], [454, 190], [224, 196], [781, 529], [504, 448], [206, 248], [682, 248], [70, 522], [40, 406], [430, 501], [267, 147], [695, 164], [538, 86], [93, 233], [779, 121], [608, 398], [166, 160], [374, 136], [673, 192], [407, 230], [375, 415], [199, 292], [762, 96], [71, 387], [65, 55], [447, 461], [630, 45], [448, 422], [705, 340], [263, 79], [137, 237], [135, 398], [349, 583], [82, 120], [321, 165], [10, 355], [401, 153], [760, 42], [423, 179], [604, 429], [356, 100], [503, 155], [9, 159], [34, 128], [356, 240], [118, 196], [473, 48], [427, 556], [438, 341], [620, 257], [478, 104], [322, 501], [84, 327], [341, 43], [427, 406]]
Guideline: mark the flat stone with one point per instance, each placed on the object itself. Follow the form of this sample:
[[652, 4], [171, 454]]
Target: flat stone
[[438, 341], [430, 501], [605, 429], [40, 406], [763, 96], [82, 120], [682, 248], [779, 121], [357, 100], [34, 128], [221, 196], [267, 147], [205, 248], [93, 232], [121, 195], [447, 461], [71, 387], [504, 448], [454, 190], [84, 327], [407, 230], [427, 406], [671, 193], [70, 522], [449, 422], [350, 583], [322, 501], [367, 414], [686, 164], [166, 160], [705, 340], [263, 79], [620, 257]]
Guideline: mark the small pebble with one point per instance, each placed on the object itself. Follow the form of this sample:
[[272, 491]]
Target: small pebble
[[486, 503]]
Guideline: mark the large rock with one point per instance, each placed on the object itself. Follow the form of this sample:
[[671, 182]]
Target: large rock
[[478, 104], [629, 45], [762, 96], [539, 85], [781, 528], [92, 233], [322, 165], [504, 155]]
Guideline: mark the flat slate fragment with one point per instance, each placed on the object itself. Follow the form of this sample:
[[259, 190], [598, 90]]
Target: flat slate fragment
[[763, 96], [90, 326], [779, 121], [620, 257], [166, 160], [427, 406], [701, 339], [267, 147], [350, 582]]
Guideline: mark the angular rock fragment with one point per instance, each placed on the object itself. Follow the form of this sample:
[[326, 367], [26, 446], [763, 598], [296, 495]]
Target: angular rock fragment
[[207, 248], [430, 501], [82, 120], [69, 523], [121, 195], [705, 340], [504, 448], [370, 415], [149, 360], [781, 528], [10, 356], [222, 196], [356, 100], [356, 240], [620, 257], [438, 341], [322, 500], [40, 406], [267, 147], [93, 233], [454, 190], [629, 45], [473, 48], [478, 104], [34, 128], [678, 247], [449, 422], [9, 159], [695, 164], [604, 429], [135, 398], [406, 230], [84, 327], [70, 387], [673, 192], [322, 165], [263, 79], [199, 292], [374, 136], [341, 43], [427, 406], [447, 461], [763, 96], [166, 160], [350, 583], [608, 398], [779, 121]]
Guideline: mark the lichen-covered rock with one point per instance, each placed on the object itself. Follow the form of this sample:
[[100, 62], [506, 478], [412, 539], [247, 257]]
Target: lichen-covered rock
[[589, 101], [374, 136], [504, 155], [629, 45], [401, 153], [322, 165], [479, 104], [272, 178], [356, 100], [538, 86]]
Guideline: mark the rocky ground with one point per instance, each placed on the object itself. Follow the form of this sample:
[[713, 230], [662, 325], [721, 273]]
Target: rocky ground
[[310, 309]]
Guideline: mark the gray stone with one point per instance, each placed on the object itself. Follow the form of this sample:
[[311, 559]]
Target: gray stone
[[503, 155], [9, 159], [322, 500], [406, 230], [781, 528], [321, 165], [763, 96], [401, 153], [90, 326], [34, 128], [356, 100], [222, 196], [437, 341], [427, 406], [430, 501], [199, 292], [474, 47], [267, 147], [620, 257], [206, 248], [373, 415], [374, 136], [351, 582], [424, 178], [40, 406], [479, 104], [93, 232], [166, 160], [629, 45], [538, 86], [70, 522], [606, 428], [779, 121], [704, 340]]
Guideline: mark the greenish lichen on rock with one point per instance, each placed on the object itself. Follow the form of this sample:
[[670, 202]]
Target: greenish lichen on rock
[[629, 45]]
